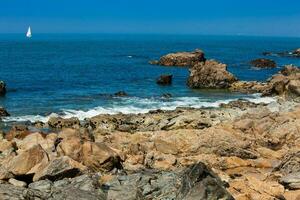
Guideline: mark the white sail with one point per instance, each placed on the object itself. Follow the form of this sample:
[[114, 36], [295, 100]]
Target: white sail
[[28, 34]]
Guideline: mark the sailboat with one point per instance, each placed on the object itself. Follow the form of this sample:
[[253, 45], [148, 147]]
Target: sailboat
[[28, 34]]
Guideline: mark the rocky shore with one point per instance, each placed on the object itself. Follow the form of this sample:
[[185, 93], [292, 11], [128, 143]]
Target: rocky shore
[[240, 150]]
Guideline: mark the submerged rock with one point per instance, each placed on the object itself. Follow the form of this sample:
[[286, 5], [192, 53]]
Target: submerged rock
[[210, 74], [183, 59], [263, 63], [121, 94], [164, 80], [293, 53], [2, 88]]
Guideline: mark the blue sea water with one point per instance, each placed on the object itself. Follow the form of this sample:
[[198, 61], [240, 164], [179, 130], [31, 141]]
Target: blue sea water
[[71, 74]]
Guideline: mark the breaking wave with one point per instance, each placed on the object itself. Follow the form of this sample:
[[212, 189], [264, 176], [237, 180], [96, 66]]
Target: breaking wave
[[136, 105]]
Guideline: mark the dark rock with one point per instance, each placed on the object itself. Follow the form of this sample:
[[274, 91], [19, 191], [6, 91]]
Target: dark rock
[[43, 185], [267, 53], [164, 80], [296, 52], [210, 74], [184, 59], [84, 187], [2, 88], [167, 95], [38, 124], [263, 63], [194, 182], [289, 164], [3, 112], [121, 94], [241, 104], [291, 181]]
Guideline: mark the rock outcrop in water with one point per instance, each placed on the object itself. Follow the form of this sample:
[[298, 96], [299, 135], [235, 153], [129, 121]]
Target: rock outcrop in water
[[294, 53], [210, 74], [3, 112], [286, 83], [263, 63], [2, 88], [165, 80], [182, 59]]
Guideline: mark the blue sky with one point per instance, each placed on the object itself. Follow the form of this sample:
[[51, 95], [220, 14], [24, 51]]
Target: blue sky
[[217, 17]]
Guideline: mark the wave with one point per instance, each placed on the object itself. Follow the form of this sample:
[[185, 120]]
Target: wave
[[137, 105]]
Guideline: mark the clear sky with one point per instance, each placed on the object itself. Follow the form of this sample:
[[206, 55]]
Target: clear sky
[[218, 17]]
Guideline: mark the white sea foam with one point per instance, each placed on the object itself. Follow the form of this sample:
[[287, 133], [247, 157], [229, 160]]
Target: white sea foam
[[137, 105]]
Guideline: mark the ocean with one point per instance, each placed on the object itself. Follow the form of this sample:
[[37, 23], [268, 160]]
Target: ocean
[[75, 74]]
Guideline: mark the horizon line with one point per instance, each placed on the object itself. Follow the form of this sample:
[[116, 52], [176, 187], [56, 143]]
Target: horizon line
[[144, 33]]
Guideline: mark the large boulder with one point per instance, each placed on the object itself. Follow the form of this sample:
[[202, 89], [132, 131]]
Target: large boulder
[[2, 88], [26, 160], [59, 168], [3, 112], [286, 83], [210, 74], [99, 157], [183, 59], [194, 182], [164, 80], [263, 63]]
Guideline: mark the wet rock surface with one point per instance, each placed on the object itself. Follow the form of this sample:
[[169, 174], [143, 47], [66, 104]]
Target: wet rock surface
[[3, 112], [293, 53], [210, 74], [183, 59], [263, 63], [165, 80], [2, 88]]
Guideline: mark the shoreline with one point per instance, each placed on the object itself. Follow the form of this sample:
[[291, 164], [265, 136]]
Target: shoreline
[[238, 150]]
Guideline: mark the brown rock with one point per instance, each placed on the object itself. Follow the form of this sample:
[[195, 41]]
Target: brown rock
[[71, 147], [47, 143], [17, 131], [26, 160], [99, 157], [164, 80], [5, 174], [181, 58], [210, 74], [263, 63], [248, 87], [6, 145], [289, 70], [58, 122]]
